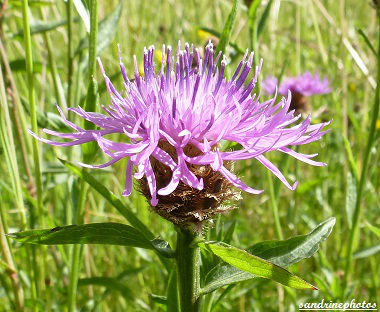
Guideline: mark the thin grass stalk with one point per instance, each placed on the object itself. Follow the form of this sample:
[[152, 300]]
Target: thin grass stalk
[[17, 113], [274, 206], [298, 38], [364, 173], [70, 62], [58, 88], [77, 249], [33, 115], [252, 18], [38, 268], [6, 139], [318, 33], [8, 144], [93, 38], [344, 74]]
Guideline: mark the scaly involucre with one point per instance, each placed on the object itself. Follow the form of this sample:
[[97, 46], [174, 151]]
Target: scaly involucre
[[191, 105]]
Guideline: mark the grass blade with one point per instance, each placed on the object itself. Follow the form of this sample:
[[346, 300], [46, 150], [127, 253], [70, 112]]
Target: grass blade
[[226, 33]]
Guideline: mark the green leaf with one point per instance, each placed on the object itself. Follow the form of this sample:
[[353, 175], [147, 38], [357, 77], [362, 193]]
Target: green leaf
[[287, 252], [367, 41], [31, 3], [375, 230], [259, 267], [94, 233], [350, 197], [20, 65], [230, 231], [106, 32], [366, 252], [38, 27], [226, 33], [217, 34], [111, 198], [264, 18], [282, 253], [351, 160], [252, 13], [83, 13], [163, 248], [158, 299]]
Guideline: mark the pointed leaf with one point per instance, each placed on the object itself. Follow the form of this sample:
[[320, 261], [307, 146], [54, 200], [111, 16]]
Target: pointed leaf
[[244, 261], [94, 233], [20, 65], [283, 253], [158, 299], [217, 34], [264, 18], [38, 27], [83, 13], [366, 252], [226, 33], [367, 41], [287, 252], [106, 32], [375, 230], [163, 248], [111, 198]]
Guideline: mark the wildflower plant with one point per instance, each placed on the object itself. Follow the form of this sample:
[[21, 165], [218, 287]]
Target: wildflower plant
[[174, 122]]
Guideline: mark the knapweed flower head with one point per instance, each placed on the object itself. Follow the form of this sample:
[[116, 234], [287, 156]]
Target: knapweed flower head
[[301, 87], [175, 120]]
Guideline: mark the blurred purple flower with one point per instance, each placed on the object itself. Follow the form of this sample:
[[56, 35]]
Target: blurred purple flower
[[181, 105], [269, 85], [305, 84]]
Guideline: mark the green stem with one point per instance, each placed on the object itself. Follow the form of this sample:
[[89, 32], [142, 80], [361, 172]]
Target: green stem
[[77, 249], [70, 63], [18, 116], [274, 206], [298, 39], [252, 18], [188, 270], [74, 274], [38, 269], [93, 38], [7, 141], [363, 177], [33, 115], [58, 88]]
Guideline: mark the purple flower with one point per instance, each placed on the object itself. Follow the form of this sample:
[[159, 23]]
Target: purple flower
[[305, 85], [181, 106], [270, 84]]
